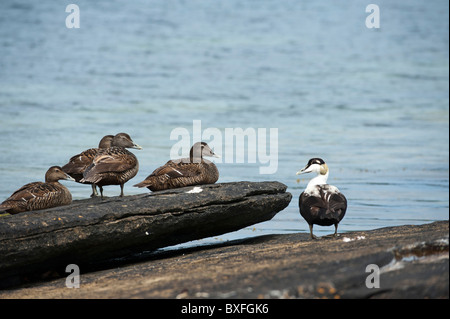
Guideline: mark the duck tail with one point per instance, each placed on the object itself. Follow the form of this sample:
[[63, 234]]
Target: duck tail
[[4, 207], [144, 183]]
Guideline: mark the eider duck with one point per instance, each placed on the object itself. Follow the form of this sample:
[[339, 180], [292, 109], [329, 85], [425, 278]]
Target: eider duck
[[80, 162], [113, 165], [38, 195], [194, 170], [321, 204]]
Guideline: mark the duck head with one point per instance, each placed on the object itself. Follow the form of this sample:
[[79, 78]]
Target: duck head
[[200, 149], [55, 173], [316, 165], [124, 140], [106, 141]]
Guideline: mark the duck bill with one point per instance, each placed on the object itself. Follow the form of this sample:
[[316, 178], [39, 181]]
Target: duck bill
[[136, 146], [215, 155], [304, 170], [69, 178]]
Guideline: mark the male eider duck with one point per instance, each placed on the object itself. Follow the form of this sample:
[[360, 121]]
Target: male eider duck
[[194, 170], [321, 204], [113, 165], [80, 162], [38, 195]]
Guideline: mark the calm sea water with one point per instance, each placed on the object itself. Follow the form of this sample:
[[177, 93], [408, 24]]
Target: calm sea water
[[373, 103]]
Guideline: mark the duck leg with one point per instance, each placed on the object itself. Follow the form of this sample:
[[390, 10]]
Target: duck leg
[[94, 191], [101, 192], [311, 231], [121, 190], [335, 230]]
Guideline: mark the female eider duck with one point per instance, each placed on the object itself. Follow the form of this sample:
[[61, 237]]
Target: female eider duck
[[38, 195], [321, 204], [113, 165], [194, 170], [80, 162]]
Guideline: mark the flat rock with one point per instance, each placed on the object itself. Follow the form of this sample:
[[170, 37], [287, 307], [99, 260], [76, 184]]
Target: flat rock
[[413, 262], [92, 230]]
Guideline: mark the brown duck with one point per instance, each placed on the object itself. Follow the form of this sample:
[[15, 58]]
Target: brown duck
[[184, 172], [38, 195], [80, 162], [113, 165]]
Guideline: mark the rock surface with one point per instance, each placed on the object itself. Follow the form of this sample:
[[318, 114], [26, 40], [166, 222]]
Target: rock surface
[[413, 263], [93, 230]]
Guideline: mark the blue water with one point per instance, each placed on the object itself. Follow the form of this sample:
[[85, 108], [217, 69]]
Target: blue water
[[373, 103]]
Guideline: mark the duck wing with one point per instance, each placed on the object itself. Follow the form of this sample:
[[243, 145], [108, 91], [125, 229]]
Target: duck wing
[[178, 168], [310, 206], [18, 200], [338, 205], [324, 205], [114, 159], [170, 174], [24, 189], [80, 162]]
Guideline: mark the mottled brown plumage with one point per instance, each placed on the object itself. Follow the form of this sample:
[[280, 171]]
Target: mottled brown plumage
[[113, 165], [38, 195], [80, 162], [184, 172]]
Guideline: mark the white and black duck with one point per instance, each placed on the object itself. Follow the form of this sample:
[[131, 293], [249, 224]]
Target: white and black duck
[[320, 203]]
